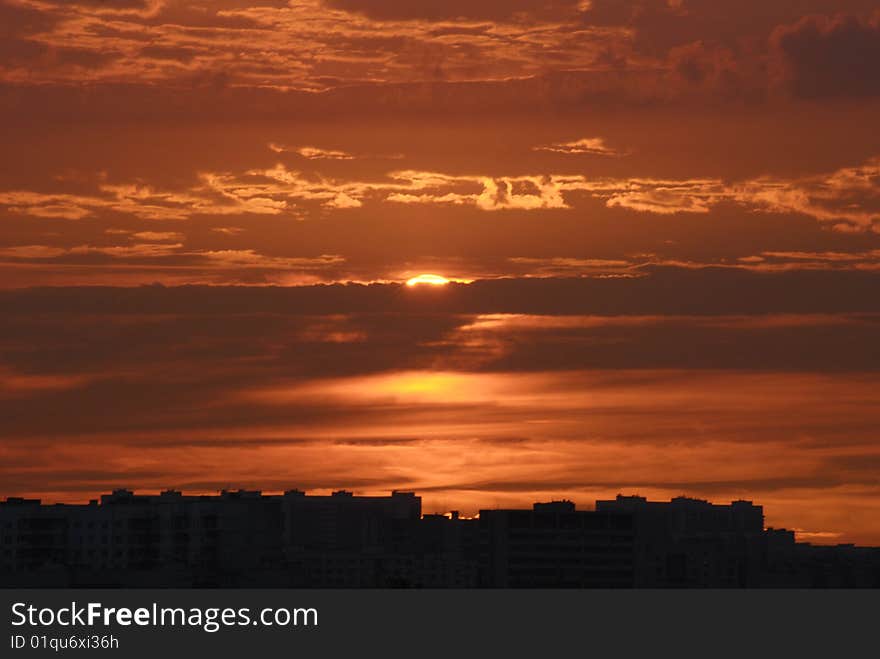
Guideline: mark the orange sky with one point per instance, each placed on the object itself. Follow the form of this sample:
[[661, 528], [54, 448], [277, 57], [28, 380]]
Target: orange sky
[[662, 218]]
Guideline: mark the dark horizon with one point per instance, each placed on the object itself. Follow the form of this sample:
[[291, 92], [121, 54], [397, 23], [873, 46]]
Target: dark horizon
[[122, 493], [296, 539]]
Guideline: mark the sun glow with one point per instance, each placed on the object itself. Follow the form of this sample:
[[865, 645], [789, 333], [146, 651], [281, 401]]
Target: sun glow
[[430, 280]]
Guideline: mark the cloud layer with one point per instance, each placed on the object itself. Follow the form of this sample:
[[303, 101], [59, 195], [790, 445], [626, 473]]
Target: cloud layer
[[376, 388]]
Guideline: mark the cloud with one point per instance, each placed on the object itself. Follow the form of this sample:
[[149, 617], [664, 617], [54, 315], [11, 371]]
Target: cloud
[[31, 252], [439, 10], [366, 57], [140, 263], [849, 196], [134, 7], [313, 153], [636, 265], [242, 257], [158, 235], [589, 145], [846, 199], [140, 250], [16, 385], [140, 201], [561, 266], [832, 257], [660, 201], [655, 290], [47, 205], [831, 56], [518, 343], [661, 25], [43, 252], [312, 48], [251, 258]]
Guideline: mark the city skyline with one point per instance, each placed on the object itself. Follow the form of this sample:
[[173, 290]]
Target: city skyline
[[298, 539], [620, 501]]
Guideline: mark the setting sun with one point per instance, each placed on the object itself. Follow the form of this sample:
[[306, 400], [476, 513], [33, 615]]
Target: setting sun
[[430, 280]]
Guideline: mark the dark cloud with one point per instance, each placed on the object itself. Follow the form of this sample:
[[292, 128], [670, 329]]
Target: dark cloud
[[661, 25], [207, 95], [456, 9], [828, 49], [658, 343], [166, 360], [658, 290], [17, 25], [20, 21], [173, 53], [703, 488], [446, 57], [111, 5], [831, 56], [87, 482]]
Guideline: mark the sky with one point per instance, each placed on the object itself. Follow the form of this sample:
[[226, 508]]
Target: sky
[[659, 220]]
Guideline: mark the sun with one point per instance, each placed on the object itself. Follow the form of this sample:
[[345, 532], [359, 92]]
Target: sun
[[429, 280]]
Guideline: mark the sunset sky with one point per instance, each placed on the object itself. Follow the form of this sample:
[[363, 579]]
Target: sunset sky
[[659, 221]]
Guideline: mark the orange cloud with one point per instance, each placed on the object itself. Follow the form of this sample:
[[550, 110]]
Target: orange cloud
[[304, 45], [313, 153], [847, 198], [586, 146]]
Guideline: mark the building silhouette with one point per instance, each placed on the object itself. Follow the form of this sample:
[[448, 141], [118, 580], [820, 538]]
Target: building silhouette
[[691, 543], [245, 538], [554, 545]]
